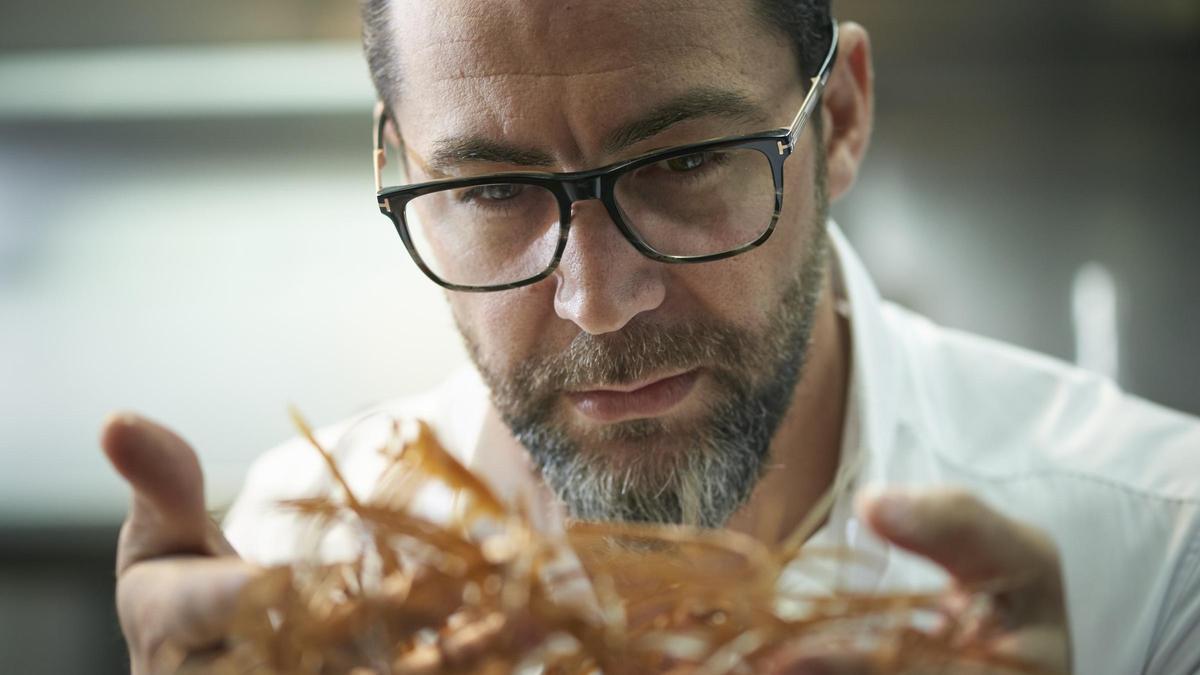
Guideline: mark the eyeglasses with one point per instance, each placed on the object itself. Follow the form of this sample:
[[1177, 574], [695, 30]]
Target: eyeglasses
[[695, 203]]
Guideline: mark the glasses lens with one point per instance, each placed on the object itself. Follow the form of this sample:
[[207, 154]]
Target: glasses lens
[[485, 235], [700, 204]]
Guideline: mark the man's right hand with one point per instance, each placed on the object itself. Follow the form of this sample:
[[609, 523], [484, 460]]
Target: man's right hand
[[178, 579]]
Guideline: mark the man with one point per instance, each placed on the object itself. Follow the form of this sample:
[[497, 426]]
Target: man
[[682, 336]]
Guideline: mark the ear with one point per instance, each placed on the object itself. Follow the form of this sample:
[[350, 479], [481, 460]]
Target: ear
[[390, 135], [381, 113], [390, 152], [848, 109]]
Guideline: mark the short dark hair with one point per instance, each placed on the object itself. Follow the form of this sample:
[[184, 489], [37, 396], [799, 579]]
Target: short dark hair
[[804, 22], [806, 25]]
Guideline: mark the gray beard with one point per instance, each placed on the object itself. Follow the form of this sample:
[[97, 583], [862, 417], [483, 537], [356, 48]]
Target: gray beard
[[702, 485], [714, 464]]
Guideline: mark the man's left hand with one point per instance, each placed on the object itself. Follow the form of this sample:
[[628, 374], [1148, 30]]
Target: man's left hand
[[982, 550]]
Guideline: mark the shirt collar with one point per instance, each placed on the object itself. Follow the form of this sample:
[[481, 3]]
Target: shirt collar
[[875, 362], [868, 433]]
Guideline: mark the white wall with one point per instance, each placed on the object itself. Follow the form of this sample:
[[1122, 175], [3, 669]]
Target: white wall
[[207, 273]]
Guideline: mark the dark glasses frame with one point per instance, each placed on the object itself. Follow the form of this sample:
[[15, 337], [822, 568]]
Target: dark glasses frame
[[568, 188]]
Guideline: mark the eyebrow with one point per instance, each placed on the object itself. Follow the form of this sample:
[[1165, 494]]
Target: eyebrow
[[450, 152], [694, 104]]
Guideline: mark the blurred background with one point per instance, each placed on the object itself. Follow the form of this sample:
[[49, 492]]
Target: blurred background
[[187, 228]]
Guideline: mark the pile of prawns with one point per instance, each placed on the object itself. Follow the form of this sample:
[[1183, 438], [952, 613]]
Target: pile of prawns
[[487, 592]]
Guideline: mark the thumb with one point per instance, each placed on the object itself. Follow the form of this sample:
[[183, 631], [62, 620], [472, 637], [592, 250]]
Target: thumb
[[167, 516], [956, 530]]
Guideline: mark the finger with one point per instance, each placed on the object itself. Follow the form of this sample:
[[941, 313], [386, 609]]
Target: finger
[[167, 516], [974, 543], [468, 643], [800, 663], [214, 661], [171, 607]]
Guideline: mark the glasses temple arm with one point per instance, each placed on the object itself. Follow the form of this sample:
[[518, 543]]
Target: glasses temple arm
[[380, 151], [816, 87]]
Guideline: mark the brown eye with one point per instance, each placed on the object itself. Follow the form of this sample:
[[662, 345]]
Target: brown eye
[[499, 192], [687, 162]]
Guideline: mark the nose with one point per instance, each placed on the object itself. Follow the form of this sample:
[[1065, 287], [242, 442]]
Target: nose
[[603, 281]]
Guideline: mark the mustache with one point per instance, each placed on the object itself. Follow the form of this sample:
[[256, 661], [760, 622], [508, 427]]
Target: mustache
[[637, 351]]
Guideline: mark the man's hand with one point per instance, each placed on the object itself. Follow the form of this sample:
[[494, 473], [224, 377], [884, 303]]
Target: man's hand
[[177, 578], [983, 551]]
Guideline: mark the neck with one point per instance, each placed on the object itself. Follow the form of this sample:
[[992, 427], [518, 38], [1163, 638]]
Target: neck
[[807, 446]]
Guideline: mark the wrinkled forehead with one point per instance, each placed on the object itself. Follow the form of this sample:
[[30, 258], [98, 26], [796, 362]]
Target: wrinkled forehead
[[511, 67]]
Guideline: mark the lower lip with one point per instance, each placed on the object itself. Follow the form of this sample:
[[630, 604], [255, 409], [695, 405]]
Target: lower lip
[[651, 400]]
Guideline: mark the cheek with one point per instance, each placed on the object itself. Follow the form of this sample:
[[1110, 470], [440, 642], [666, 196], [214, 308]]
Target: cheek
[[745, 288], [506, 327], [737, 292], [799, 222]]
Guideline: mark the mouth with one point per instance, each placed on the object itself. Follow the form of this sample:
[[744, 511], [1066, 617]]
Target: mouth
[[651, 397]]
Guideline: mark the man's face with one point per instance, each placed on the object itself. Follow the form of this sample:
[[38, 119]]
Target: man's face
[[643, 391]]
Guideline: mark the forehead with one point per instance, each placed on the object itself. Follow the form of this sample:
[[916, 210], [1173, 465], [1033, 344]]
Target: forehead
[[506, 67]]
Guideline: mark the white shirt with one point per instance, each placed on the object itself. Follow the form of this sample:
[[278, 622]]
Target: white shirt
[[1115, 480]]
